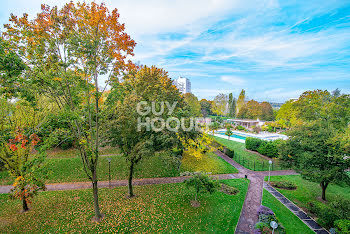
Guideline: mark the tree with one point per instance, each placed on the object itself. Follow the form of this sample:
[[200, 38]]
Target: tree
[[132, 132], [68, 50], [220, 103], [193, 104], [316, 152], [228, 131], [18, 123], [201, 184], [232, 106], [240, 101], [214, 126], [267, 111], [250, 110], [205, 107]]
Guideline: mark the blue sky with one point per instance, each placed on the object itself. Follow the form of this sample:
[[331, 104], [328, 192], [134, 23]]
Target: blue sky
[[275, 50]]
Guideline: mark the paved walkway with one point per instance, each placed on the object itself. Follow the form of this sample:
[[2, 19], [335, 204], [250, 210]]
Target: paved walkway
[[249, 216], [117, 183], [252, 202], [311, 223]]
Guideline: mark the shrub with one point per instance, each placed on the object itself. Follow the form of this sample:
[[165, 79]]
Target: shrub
[[269, 149], [239, 127], [341, 207], [284, 184], [261, 225], [228, 189], [265, 210], [252, 143], [327, 217], [267, 218], [229, 152], [342, 226]]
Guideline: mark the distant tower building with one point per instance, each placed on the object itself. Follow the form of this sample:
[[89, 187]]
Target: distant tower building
[[183, 84]]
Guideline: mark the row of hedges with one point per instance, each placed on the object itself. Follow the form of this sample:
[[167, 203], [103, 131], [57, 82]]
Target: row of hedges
[[335, 215], [267, 148], [224, 149]]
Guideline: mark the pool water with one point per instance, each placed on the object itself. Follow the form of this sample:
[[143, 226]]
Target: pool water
[[234, 135]]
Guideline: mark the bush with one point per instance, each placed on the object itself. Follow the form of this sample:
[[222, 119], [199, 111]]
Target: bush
[[269, 149], [261, 225], [284, 185], [342, 226], [239, 127], [252, 143], [228, 189], [341, 207], [229, 152], [265, 210], [327, 217]]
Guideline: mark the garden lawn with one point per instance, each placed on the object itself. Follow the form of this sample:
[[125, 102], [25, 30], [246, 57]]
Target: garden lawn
[[207, 163], [69, 169], [156, 209], [290, 221], [309, 191], [246, 158]]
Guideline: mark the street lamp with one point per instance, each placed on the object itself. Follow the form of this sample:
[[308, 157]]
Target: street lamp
[[270, 163], [109, 170], [274, 225]]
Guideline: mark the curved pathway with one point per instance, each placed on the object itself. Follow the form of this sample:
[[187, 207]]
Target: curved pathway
[[252, 202]]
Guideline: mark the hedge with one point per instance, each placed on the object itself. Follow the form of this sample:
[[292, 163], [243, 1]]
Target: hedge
[[225, 150], [267, 148]]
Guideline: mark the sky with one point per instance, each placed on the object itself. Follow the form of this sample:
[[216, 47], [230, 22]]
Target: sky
[[275, 50]]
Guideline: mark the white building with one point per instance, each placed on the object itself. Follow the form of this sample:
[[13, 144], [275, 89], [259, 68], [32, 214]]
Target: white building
[[183, 84]]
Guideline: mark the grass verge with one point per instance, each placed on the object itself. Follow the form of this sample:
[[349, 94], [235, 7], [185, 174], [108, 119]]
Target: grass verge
[[290, 221], [248, 159]]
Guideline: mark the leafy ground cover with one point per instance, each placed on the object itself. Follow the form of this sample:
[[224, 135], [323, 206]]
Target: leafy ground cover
[[248, 159], [291, 222], [70, 169], [156, 208], [207, 163]]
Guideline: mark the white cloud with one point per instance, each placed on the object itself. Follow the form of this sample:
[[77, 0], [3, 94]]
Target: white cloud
[[235, 80]]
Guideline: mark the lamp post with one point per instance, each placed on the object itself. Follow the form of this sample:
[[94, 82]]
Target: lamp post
[[109, 171], [274, 225], [270, 163]]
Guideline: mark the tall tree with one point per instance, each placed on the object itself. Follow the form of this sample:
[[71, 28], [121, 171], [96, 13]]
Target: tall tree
[[134, 133], [232, 106], [205, 107], [266, 111], [240, 101], [316, 152], [220, 104], [193, 104], [68, 50]]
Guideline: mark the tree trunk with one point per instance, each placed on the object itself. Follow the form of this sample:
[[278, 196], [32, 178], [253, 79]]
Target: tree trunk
[[131, 171], [98, 214], [25, 205], [324, 187]]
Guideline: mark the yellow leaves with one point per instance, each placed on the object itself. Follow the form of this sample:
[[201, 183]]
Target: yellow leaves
[[57, 79]]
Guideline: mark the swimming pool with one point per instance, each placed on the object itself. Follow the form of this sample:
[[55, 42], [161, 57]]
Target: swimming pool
[[243, 136], [235, 135]]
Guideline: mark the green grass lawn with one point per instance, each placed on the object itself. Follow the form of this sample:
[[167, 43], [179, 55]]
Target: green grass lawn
[[290, 222], [70, 169], [207, 163], [246, 158], [156, 209], [309, 191]]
